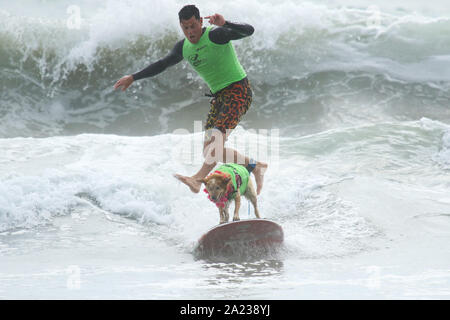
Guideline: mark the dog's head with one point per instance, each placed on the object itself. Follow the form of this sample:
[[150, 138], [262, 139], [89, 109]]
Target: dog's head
[[217, 185]]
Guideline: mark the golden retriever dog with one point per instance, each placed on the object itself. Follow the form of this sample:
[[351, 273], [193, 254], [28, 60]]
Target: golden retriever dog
[[228, 183]]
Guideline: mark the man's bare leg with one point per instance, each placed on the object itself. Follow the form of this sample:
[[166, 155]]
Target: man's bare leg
[[226, 155], [231, 155], [214, 139], [195, 182]]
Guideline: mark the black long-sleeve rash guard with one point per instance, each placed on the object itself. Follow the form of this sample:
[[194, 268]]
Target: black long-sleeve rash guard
[[220, 35]]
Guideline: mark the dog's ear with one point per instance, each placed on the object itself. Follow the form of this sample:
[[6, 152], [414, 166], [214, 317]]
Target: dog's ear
[[202, 181]]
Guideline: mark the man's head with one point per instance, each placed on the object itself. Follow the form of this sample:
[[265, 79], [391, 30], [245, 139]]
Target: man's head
[[191, 23]]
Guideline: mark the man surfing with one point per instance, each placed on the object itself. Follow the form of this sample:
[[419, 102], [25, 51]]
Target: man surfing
[[210, 52]]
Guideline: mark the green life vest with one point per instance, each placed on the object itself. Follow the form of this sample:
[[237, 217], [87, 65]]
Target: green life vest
[[217, 64], [230, 168]]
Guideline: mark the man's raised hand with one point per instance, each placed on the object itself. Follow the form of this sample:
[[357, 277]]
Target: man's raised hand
[[216, 19]]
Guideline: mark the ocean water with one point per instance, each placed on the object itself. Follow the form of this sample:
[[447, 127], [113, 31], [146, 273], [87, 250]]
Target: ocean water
[[351, 111]]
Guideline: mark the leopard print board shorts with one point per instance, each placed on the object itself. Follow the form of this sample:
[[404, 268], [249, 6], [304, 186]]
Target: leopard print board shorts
[[229, 105]]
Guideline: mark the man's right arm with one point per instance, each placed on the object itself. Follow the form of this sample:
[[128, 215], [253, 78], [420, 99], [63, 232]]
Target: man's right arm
[[174, 56]]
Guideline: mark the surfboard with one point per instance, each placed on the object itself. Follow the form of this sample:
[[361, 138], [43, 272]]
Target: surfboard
[[238, 238]]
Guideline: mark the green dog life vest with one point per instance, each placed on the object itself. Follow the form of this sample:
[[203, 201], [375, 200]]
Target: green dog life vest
[[241, 171], [217, 64]]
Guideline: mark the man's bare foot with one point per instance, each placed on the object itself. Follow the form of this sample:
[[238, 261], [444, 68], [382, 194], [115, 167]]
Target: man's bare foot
[[193, 183], [258, 172]]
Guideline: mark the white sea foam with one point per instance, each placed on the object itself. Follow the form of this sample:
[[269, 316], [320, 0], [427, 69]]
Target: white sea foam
[[132, 177]]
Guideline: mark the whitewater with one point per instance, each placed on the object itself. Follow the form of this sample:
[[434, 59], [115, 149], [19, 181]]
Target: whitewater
[[351, 111]]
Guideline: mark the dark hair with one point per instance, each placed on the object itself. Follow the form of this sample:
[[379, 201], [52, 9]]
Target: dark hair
[[188, 11]]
